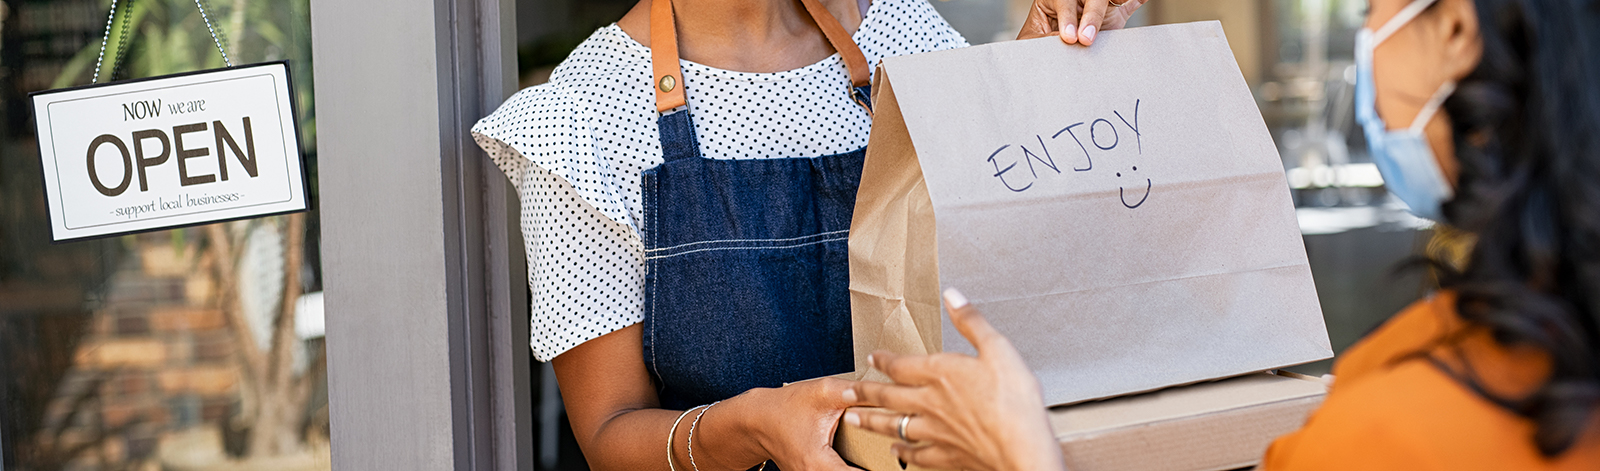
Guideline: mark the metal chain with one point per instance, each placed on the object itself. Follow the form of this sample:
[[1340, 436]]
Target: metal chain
[[221, 33], [213, 30], [111, 18], [103, 40], [122, 41]]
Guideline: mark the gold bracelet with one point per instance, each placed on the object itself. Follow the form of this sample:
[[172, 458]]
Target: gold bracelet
[[670, 433]]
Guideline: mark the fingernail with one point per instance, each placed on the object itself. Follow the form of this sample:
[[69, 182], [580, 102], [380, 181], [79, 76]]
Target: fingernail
[[869, 360], [849, 395], [1088, 33], [1069, 33], [852, 418], [954, 298]]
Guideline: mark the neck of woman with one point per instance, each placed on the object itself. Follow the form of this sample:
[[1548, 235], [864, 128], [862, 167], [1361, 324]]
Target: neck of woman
[[746, 35], [757, 24]]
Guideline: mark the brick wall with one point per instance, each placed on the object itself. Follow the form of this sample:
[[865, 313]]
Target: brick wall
[[156, 358]]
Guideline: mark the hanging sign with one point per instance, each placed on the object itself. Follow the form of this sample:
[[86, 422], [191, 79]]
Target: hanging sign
[[171, 151]]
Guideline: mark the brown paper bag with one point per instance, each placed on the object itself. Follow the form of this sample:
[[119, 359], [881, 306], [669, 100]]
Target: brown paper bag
[[1119, 212]]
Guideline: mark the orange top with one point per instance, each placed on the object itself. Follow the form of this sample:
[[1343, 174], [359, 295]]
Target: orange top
[[1390, 408]]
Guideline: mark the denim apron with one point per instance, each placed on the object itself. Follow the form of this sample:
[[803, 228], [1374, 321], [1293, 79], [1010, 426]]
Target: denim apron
[[747, 278]]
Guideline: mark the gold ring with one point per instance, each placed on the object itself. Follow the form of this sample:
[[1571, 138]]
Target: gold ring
[[904, 420], [1119, 5]]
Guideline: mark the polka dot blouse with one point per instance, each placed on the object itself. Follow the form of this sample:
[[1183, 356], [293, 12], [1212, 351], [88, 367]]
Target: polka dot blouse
[[575, 147]]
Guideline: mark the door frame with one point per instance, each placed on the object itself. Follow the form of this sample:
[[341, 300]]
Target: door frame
[[424, 278]]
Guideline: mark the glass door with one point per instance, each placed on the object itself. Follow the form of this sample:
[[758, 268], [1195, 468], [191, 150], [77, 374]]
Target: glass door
[[195, 348]]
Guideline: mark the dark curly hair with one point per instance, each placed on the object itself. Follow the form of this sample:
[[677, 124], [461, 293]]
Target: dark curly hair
[[1527, 135]]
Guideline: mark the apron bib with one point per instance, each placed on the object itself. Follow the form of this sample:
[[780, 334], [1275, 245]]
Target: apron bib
[[747, 278]]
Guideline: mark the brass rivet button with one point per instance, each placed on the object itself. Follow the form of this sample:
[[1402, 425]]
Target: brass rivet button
[[667, 83]]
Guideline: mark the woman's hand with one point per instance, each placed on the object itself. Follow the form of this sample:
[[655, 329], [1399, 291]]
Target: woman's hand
[[983, 413], [1076, 21], [618, 422], [795, 423]]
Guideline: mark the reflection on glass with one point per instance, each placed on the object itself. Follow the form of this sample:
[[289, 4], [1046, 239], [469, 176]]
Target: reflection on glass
[[196, 348]]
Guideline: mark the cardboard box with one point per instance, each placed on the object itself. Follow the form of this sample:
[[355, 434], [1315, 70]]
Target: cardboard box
[[1225, 424], [1119, 212]]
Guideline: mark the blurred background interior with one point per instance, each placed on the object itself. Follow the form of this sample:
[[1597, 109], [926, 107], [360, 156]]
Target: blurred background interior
[[200, 348], [187, 349]]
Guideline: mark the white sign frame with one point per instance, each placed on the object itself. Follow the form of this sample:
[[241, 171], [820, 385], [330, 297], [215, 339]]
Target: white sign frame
[[82, 129]]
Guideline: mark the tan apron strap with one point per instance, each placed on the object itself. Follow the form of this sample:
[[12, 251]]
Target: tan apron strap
[[664, 57], [669, 75], [842, 42]]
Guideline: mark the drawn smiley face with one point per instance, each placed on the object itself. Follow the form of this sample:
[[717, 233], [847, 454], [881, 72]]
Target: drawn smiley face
[[1123, 192]]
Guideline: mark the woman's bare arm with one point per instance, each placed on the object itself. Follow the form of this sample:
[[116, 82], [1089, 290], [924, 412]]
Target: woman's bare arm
[[615, 415]]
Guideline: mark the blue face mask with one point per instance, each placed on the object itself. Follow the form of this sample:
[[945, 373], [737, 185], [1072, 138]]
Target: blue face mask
[[1403, 156]]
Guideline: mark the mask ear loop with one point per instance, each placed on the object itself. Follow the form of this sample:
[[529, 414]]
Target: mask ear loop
[[1432, 107], [1400, 19]]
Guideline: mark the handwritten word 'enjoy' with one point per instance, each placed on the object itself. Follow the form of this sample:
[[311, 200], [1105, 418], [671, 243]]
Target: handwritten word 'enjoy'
[[1101, 133]]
